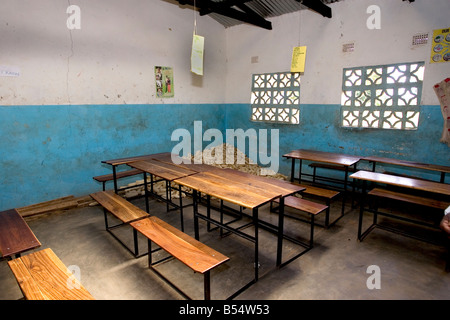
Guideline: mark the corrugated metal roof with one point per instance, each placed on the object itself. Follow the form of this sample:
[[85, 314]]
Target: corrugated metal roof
[[266, 9]]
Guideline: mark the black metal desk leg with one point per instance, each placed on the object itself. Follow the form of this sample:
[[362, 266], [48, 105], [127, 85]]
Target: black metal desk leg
[[115, 179], [195, 207], [280, 231], [207, 285], [181, 207], [300, 172], [255, 221], [361, 209], [146, 193], [292, 169]]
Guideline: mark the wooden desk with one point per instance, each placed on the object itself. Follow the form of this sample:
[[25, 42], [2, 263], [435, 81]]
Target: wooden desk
[[121, 161], [431, 187], [15, 234], [411, 164], [250, 192], [415, 184], [343, 160], [166, 171]]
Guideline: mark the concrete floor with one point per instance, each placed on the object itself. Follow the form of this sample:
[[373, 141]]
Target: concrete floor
[[336, 268]]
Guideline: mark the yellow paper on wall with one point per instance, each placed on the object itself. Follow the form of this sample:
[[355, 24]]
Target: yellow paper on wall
[[298, 59], [198, 43]]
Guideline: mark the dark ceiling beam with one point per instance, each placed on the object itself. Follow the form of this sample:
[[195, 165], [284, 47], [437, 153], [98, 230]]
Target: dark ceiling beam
[[224, 5], [317, 6], [247, 15]]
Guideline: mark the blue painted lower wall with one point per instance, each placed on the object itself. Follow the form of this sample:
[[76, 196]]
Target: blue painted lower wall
[[319, 130], [49, 152]]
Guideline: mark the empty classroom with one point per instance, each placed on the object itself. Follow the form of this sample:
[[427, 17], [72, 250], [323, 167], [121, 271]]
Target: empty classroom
[[247, 151]]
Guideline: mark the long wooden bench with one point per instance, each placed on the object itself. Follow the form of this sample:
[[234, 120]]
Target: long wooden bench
[[123, 210], [110, 177], [192, 253], [310, 207], [399, 196], [327, 195], [15, 235], [42, 275]]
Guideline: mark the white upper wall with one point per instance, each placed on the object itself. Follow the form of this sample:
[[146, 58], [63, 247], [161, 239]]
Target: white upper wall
[[111, 59], [324, 37]]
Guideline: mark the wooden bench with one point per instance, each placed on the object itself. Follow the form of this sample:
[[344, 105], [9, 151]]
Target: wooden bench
[[110, 177], [310, 207], [399, 196], [15, 235], [192, 253], [327, 195], [123, 210], [43, 276]]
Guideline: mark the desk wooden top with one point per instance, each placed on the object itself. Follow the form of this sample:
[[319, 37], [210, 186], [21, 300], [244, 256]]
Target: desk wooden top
[[406, 163], [232, 191], [42, 276], [417, 184], [165, 170], [15, 234], [157, 156], [285, 188], [322, 156]]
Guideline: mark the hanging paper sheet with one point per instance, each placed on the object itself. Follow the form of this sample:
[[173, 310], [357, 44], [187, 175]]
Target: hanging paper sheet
[[440, 47], [198, 43], [164, 82], [298, 59]]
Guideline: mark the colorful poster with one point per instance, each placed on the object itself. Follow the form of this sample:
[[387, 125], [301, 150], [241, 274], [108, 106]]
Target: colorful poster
[[440, 47], [164, 82], [298, 59]]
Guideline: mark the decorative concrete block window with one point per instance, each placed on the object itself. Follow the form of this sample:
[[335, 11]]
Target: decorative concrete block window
[[276, 97], [382, 97]]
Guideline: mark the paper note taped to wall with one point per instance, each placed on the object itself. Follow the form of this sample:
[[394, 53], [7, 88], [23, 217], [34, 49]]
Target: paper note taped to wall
[[8, 71], [298, 59], [198, 44]]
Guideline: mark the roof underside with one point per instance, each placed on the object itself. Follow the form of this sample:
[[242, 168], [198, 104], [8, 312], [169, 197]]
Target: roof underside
[[234, 12], [266, 9]]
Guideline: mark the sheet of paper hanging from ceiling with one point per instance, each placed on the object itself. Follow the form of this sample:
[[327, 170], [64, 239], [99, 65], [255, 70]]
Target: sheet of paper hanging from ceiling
[[198, 45], [298, 59]]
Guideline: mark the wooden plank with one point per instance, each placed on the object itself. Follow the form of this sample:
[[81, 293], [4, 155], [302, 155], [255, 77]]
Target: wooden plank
[[118, 206], [281, 187], [322, 156], [429, 202], [304, 205], [416, 184], [231, 191], [121, 174], [406, 163], [30, 289], [161, 169], [47, 206], [15, 234], [191, 252], [42, 275]]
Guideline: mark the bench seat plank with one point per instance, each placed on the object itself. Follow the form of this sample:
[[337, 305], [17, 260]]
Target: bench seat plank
[[118, 206], [43, 276], [191, 252], [429, 202], [15, 234], [304, 205], [121, 174]]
